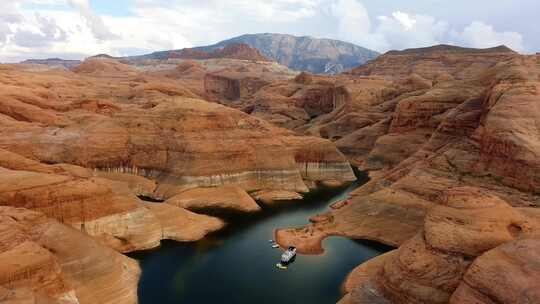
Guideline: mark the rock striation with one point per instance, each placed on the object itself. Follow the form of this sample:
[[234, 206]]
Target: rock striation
[[80, 147], [215, 199], [104, 208], [174, 139], [447, 134], [44, 261], [439, 263], [452, 153]]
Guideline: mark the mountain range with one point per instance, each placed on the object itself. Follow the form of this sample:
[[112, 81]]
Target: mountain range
[[320, 56]]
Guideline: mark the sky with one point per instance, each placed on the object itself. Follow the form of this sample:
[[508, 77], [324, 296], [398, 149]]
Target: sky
[[75, 29]]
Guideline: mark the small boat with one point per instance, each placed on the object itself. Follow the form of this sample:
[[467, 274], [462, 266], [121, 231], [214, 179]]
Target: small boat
[[281, 266], [288, 256], [275, 246]]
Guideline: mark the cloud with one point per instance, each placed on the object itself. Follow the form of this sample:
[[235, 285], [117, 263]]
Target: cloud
[[151, 25], [45, 33], [401, 30], [481, 35], [406, 21], [93, 20], [8, 15], [397, 31]]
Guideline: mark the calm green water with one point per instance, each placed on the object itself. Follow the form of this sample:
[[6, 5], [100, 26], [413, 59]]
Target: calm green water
[[237, 265]]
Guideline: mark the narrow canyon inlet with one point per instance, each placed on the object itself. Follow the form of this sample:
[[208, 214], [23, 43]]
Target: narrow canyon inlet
[[237, 265]]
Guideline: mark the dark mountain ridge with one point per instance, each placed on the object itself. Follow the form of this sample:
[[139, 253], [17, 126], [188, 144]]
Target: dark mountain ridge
[[321, 56]]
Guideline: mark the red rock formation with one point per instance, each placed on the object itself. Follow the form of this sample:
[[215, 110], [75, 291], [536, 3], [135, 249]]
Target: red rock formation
[[43, 260], [221, 85], [232, 51], [103, 66], [103, 208], [237, 148], [436, 61], [507, 274], [220, 198], [423, 141], [439, 138], [435, 265], [448, 135]]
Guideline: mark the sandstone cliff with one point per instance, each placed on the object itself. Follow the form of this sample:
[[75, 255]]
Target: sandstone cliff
[[80, 146], [77, 148], [43, 261], [451, 124]]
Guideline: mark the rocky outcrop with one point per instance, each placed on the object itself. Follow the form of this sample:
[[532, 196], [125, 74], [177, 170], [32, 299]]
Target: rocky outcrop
[[220, 85], [507, 274], [440, 138], [103, 66], [428, 135], [272, 197], [214, 199], [436, 62], [85, 165], [43, 261], [105, 208], [87, 204], [233, 85], [437, 265], [181, 225], [213, 145], [240, 51], [78, 147], [53, 62]]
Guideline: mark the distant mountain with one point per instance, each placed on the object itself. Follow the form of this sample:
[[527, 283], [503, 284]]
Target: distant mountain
[[453, 49], [54, 62], [230, 51], [323, 56]]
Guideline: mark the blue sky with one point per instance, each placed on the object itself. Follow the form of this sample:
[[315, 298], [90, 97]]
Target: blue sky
[[80, 28]]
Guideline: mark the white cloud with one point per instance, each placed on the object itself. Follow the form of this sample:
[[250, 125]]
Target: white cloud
[[481, 35], [406, 21], [42, 32], [151, 25], [401, 30], [94, 21], [397, 31]]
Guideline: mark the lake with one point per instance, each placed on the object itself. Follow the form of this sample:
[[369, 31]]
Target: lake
[[237, 264]]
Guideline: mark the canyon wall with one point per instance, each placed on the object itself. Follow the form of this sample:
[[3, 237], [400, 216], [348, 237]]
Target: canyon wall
[[440, 144]]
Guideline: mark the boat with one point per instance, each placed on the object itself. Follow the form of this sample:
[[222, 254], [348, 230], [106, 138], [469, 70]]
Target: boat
[[275, 246], [281, 266], [288, 256]]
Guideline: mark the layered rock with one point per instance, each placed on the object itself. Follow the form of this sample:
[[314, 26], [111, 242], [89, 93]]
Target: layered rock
[[271, 197], [438, 264], [440, 138], [177, 140], [105, 208], [218, 198], [471, 125], [182, 225], [44, 261], [507, 274], [239, 51], [436, 62], [89, 205], [103, 152]]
